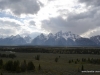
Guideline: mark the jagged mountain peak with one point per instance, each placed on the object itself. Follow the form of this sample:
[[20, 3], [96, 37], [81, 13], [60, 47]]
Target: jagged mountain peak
[[58, 39], [68, 32], [55, 39], [27, 36], [50, 35], [97, 36], [96, 39], [41, 35], [17, 36], [67, 35], [60, 33], [28, 39]]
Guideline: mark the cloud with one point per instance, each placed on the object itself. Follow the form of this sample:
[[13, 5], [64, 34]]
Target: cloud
[[53, 24], [18, 7], [32, 23], [10, 27], [90, 2], [79, 23], [35, 16], [6, 31]]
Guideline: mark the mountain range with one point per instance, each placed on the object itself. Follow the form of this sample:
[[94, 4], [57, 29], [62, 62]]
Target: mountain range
[[58, 39]]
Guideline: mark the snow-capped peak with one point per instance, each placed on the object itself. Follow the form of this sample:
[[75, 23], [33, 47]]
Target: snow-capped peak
[[60, 33], [41, 36], [67, 35], [70, 35], [14, 37], [17, 36], [50, 35], [28, 39]]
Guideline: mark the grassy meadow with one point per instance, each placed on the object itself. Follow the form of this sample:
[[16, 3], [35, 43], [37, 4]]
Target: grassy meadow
[[50, 67]]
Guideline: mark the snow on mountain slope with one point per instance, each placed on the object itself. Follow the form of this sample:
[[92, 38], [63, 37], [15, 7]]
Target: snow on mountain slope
[[13, 40], [67, 35], [28, 39], [60, 38], [70, 35], [96, 39], [58, 35]]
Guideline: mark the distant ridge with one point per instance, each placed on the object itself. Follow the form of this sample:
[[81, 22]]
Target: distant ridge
[[61, 39]]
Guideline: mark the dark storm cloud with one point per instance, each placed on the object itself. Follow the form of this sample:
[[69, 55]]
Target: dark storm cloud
[[91, 2], [19, 7]]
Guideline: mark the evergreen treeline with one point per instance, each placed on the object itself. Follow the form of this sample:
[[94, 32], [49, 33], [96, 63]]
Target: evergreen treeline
[[60, 50], [89, 60], [16, 66], [7, 55]]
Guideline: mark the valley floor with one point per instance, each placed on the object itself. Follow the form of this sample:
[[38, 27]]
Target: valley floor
[[66, 64]]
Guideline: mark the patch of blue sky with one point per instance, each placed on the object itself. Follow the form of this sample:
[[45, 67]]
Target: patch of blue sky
[[6, 15]]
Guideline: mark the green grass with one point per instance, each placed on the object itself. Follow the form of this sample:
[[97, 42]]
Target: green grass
[[50, 67]]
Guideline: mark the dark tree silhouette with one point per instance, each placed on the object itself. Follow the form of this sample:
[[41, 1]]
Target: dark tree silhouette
[[39, 67], [82, 68], [56, 59], [30, 66], [37, 57], [16, 66], [9, 65], [23, 66], [1, 62]]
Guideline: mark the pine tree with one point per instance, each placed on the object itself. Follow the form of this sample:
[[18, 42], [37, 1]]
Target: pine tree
[[69, 61], [37, 57], [82, 68], [56, 59], [39, 67], [1, 62], [30, 66], [16, 66], [23, 66], [9, 66]]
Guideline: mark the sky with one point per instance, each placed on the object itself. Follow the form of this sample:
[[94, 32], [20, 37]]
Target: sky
[[32, 17]]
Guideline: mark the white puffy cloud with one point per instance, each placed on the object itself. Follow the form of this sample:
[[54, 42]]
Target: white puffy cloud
[[78, 18], [31, 17], [10, 27]]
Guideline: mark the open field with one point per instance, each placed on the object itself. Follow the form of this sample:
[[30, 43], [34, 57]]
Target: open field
[[50, 67]]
